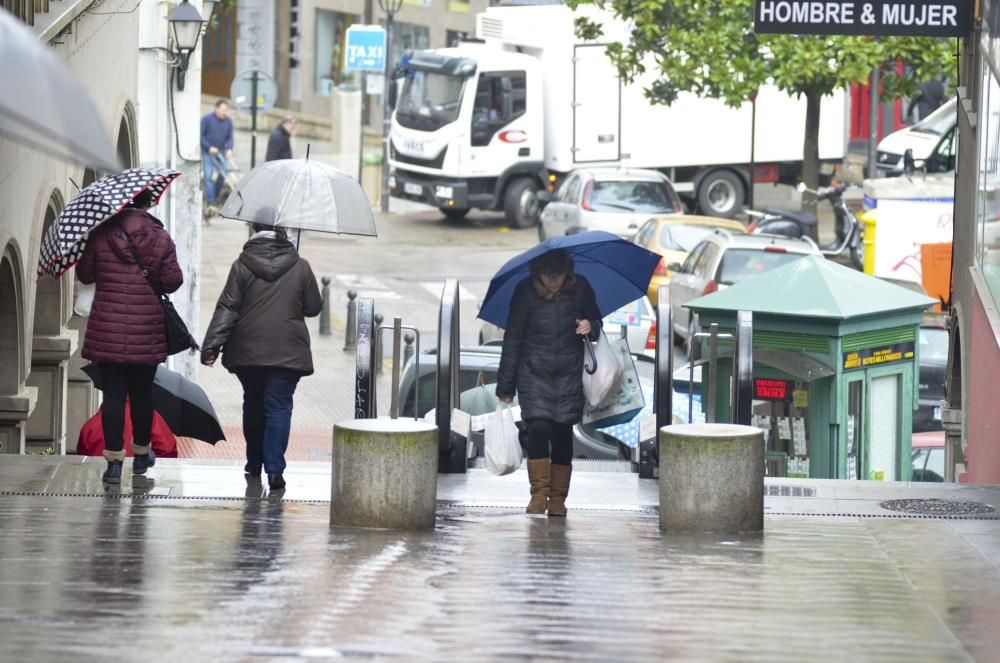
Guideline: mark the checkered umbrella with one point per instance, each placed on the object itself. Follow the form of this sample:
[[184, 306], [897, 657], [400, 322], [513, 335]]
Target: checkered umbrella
[[65, 240]]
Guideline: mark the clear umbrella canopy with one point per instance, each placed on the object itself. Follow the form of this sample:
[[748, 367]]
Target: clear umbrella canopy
[[43, 106], [304, 195]]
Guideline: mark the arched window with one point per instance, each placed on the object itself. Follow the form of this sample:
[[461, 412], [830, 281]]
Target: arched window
[[11, 324], [51, 295]]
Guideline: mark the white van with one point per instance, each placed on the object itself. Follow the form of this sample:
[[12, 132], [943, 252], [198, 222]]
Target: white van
[[932, 141]]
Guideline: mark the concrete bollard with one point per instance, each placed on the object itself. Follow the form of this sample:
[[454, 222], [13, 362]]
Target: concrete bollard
[[384, 474], [351, 335], [324, 315], [711, 478]]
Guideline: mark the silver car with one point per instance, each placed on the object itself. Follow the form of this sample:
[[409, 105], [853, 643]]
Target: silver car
[[719, 261], [617, 200]]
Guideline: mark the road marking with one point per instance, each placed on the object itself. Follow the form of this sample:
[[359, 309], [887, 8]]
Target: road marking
[[368, 286], [435, 288]]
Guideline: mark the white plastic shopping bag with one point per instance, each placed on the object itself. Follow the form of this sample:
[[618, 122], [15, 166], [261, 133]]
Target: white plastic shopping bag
[[600, 381], [502, 446], [84, 298]]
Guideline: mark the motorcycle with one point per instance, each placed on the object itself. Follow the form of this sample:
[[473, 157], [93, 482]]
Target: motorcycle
[[795, 224]]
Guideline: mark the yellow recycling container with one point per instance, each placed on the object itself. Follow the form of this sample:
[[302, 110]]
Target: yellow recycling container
[[868, 218]]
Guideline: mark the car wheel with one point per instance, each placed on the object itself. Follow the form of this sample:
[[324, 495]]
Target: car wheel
[[521, 205], [453, 214], [721, 193]]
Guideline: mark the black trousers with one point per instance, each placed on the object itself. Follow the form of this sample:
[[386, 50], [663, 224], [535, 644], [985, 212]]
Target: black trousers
[[134, 381], [547, 437]]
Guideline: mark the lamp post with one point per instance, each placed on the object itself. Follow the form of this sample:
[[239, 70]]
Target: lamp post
[[389, 8], [185, 26]]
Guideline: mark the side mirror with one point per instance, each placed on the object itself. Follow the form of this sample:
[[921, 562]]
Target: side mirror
[[544, 196], [676, 267], [909, 166]]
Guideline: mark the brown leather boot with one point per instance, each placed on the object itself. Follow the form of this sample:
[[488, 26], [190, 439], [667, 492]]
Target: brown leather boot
[[538, 475], [560, 475]]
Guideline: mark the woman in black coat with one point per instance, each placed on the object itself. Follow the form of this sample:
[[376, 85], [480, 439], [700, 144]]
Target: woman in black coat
[[542, 362]]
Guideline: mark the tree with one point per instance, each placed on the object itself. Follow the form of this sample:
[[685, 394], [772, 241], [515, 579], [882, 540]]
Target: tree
[[709, 48]]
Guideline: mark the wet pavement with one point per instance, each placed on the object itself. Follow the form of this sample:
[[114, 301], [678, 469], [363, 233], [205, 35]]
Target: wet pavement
[[198, 563]]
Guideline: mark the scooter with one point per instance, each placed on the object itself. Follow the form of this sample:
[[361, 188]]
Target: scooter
[[794, 224]]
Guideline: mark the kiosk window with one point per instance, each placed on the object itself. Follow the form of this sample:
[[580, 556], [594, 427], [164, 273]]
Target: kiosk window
[[884, 426], [501, 98], [855, 423]]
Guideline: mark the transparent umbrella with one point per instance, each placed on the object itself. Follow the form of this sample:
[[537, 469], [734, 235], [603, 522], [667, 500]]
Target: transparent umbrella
[[299, 194]]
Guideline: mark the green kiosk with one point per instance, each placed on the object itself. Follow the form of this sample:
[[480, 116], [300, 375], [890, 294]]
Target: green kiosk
[[835, 367]]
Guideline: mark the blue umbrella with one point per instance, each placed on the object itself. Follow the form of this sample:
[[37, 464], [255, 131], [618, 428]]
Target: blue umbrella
[[619, 272]]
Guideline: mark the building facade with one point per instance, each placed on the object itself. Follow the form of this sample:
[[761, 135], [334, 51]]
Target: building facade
[[972, 414]]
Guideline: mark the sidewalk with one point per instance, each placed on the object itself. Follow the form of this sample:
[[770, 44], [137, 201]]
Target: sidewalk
[[196, 569]]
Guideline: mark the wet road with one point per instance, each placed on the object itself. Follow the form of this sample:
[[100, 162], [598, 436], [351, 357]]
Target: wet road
[[91, 578]]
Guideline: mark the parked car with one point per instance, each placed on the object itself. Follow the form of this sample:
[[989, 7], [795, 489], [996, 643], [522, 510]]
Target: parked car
[[720, 260], [928, 456], [673, 236], [932, 142], [933, 364], [617, 200], [640, 328]]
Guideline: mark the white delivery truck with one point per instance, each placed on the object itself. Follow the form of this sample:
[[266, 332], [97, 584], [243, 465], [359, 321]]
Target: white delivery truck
[[488, 124]]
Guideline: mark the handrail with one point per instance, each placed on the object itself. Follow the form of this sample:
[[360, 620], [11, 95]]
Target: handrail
[[448, 368], [663, 384]]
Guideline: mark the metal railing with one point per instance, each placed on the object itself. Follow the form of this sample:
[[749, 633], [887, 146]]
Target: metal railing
[[741, 394], [452, 447]]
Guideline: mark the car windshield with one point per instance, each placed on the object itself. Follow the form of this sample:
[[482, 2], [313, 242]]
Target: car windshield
[[933, 344], [680, 237], [631, 196], [429, 100], [739, 264], [939, 122]]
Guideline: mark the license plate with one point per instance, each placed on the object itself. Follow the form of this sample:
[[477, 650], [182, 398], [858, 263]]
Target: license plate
[[413, 189], [937, 413]]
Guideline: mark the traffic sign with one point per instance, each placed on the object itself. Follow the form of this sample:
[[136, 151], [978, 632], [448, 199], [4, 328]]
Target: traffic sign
[[365, 48], [241, 91]]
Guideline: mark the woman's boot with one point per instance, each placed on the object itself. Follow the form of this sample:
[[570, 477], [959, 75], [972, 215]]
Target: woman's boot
[[560, 475], [538, 476]]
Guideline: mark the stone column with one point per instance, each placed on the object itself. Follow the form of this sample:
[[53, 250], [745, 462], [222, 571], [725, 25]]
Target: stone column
[[711, 478], [384, 474], [50, 356]]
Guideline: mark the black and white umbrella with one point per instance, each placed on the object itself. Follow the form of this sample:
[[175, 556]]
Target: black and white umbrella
[[64, 242]]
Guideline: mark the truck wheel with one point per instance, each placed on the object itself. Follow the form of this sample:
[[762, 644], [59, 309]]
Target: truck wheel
[[520, 204], [721, 193], [453, 214]]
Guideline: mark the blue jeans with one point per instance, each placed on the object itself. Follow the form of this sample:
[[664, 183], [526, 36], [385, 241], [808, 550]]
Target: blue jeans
[[212, 164], [267, 415]]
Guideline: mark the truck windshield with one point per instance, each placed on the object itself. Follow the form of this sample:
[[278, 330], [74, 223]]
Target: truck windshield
[[940, 121], [429, 100]]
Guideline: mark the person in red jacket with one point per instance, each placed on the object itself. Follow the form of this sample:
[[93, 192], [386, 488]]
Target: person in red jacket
[[126, 333]]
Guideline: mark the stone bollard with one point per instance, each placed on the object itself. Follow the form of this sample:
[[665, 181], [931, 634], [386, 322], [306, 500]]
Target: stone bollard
[[711, 478], [351, 335], [384, 474], [324, 315]]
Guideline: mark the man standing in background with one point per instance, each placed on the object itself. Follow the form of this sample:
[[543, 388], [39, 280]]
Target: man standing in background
[[216, 149], [279, 143]]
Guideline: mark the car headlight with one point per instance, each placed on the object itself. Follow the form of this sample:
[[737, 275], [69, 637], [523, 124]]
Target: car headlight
[[392, 181], [444, 192]]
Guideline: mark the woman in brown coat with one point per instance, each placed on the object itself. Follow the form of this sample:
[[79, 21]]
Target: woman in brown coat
[[126, 331]]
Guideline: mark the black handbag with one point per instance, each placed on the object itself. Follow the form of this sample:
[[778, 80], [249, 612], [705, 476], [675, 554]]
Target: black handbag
[[179, 338]]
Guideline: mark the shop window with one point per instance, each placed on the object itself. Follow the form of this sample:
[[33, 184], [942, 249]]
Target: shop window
[[331, 37], [456, 37], [407, 36], [500, 99], [988, 196]]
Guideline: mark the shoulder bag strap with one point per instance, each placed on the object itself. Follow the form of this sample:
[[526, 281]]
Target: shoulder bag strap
[[138, 262]]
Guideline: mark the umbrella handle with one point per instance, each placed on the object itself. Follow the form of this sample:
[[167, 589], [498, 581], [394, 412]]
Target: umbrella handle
[[590, 370]]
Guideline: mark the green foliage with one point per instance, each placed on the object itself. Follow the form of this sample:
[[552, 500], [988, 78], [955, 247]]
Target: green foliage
[[709, 48]]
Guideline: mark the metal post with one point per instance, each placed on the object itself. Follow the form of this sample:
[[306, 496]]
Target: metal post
[[397, 334], [753, 145], [364, 379], [873, 103], [743, 369], [324, 314], [713, 358], [386, 111], [253, 122], [663, 388], [351, 335], [378, 345]]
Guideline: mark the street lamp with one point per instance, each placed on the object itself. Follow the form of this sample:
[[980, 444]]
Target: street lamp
[[389, 8], [185, 23]]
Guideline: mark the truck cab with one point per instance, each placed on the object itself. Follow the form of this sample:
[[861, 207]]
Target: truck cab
[[467, 132]]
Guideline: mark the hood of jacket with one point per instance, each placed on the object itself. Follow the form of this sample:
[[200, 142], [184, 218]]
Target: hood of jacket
[[269, 259], [141, 227]]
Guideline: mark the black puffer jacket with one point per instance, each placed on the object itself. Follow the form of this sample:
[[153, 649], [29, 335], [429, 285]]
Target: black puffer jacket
[[260, 318], [542, 358]]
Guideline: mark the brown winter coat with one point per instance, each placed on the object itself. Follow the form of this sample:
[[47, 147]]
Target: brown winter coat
[[126, 324], [259, 320]]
